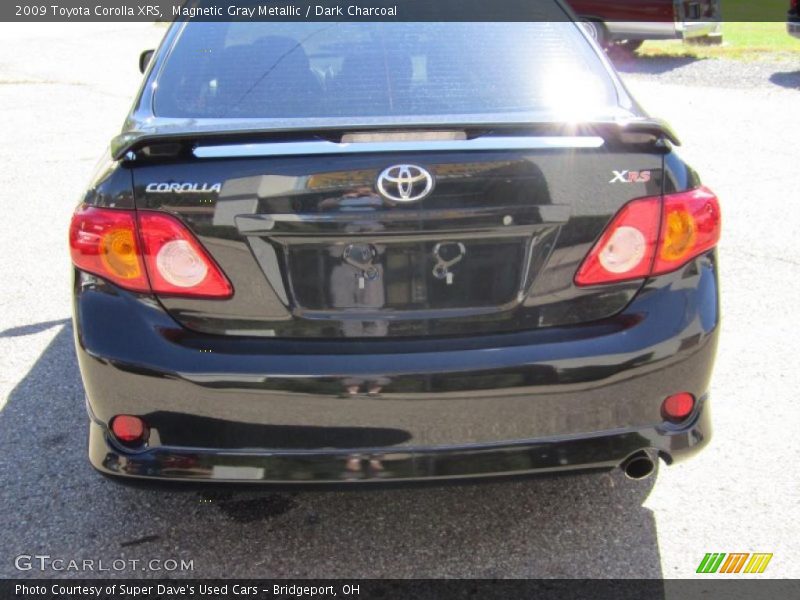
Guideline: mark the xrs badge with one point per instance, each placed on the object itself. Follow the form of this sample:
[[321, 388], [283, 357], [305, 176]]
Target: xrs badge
[[631, 177]]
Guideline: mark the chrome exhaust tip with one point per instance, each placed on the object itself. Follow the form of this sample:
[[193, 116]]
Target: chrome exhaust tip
[[639, 466]]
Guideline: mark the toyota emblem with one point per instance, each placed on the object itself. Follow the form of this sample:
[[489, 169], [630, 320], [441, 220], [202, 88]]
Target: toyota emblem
[[405, 183]]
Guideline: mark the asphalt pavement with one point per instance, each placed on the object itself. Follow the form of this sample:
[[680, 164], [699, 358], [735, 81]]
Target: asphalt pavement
[[64, 91]]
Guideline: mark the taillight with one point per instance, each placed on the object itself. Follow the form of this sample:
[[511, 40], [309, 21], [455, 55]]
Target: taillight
[[690, 226], [145, 252], [651, 237], [625, 250], [176, 262], [104, 242]]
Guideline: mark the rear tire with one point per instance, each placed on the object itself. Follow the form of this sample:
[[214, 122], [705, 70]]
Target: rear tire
[[629, 46]]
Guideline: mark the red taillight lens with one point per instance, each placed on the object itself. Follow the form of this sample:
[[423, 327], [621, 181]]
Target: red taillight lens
[[176, 262], [104, 242], [626, 248], [651, 237], [129, 430], [155, 252]]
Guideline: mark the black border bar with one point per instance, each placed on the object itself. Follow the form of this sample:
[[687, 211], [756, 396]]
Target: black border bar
[[356, 10], [396, 589]]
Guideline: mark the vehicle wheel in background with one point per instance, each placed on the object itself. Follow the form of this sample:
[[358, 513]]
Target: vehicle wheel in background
[[629, 46], [597, 30]]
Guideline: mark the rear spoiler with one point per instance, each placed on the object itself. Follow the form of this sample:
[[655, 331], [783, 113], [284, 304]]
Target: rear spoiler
[[179, 139], [658, 128]]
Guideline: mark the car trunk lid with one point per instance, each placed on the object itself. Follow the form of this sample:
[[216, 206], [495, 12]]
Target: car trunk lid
[[319, 243]]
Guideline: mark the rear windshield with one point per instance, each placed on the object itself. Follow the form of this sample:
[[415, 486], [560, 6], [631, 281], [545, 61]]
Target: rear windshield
[[387, 72]]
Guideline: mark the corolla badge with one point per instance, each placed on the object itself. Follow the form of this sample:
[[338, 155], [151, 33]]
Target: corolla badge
[[183, 188], [405, 183]]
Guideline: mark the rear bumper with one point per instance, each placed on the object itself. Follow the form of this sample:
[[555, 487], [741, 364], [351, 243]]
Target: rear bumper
[[242, 409], [529, 457], [690, 30], [660, 30]]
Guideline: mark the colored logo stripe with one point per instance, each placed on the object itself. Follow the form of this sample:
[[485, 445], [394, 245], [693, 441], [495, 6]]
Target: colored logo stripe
[[734, 563], [710, 563], [758, 563], [713, 562]]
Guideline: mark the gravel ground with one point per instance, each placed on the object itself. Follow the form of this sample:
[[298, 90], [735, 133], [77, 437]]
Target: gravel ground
[[711, 73], [65, 89]]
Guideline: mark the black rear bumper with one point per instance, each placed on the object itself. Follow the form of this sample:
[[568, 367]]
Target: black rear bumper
[[243, 409], [592, 451]]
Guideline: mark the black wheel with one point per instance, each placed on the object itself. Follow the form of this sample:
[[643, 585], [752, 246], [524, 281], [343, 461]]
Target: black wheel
[[629, 46]]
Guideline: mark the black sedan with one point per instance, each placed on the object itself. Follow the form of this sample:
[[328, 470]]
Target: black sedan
[[371, 252]]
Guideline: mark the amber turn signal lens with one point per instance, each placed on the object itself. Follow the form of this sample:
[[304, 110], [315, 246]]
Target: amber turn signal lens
[[680, 234], [691, 225], [103, 241], [118, 254]]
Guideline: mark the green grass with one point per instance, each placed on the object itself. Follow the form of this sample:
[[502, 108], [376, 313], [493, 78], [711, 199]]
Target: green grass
[[755, 10], [741, 41]]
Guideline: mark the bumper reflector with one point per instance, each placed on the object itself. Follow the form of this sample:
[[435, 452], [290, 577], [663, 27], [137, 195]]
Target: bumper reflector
[[129, 430], [678, 407]]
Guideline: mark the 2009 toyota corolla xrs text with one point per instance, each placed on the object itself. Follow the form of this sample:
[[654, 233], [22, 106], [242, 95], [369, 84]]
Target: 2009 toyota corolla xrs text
[[367, 252]]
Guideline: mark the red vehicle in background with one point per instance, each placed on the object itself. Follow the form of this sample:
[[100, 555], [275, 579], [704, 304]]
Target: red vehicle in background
[[628, 23]]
